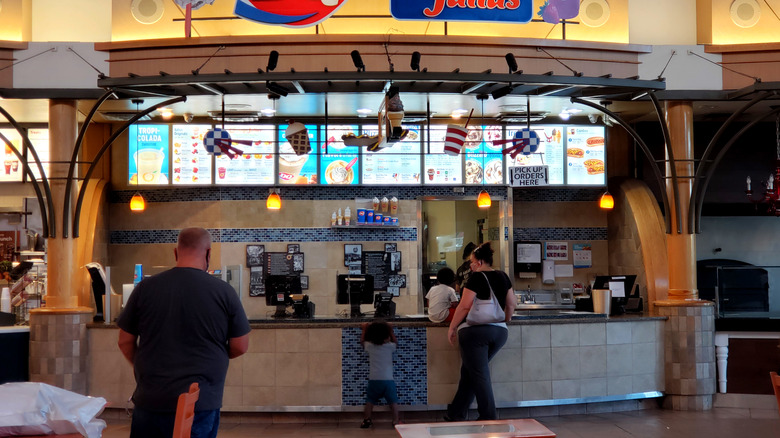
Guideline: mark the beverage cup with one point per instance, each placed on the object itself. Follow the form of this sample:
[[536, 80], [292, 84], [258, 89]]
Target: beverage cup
[[7, 165], [602, 301], [361, 215], [149, 162], [378, 218], [221, 172], [15, 165], [369, 216], [387, 220], [453, 142], [395, 221], [431, 174]]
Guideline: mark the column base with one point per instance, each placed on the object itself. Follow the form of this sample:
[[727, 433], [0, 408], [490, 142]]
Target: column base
[[688, 402], [58, 347]]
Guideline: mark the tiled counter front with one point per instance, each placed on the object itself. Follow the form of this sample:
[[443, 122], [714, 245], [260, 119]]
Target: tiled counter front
[[304, 367]]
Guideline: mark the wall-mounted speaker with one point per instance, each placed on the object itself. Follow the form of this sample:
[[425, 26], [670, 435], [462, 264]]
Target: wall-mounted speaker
[[745, 13], [147, 11], [594, 13]]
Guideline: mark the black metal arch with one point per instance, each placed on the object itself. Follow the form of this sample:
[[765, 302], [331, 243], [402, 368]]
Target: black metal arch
[[38, 194], [697, 193], [108, 143], [50, 230], [653, 165], [74, 158]]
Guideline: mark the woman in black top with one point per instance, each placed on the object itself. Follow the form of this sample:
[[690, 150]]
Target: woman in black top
[[479, 343]]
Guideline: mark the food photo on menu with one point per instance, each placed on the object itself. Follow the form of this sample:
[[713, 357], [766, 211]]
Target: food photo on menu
[[439, 167], [11, 169], [296, 167], [585, 155], [396, 164], [339, 163], [256, 164], [190, 162], [148, 154], [484, 160]]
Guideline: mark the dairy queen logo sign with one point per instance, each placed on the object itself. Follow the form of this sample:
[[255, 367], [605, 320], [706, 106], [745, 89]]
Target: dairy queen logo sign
[[514, 11], [290, 13]]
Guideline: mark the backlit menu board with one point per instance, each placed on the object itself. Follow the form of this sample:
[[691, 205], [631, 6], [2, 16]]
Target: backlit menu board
[[256, 164], [40, 141], [585, 155], [549, 153], [484, 161], [439, 167], [298, 169], [12, 171], [399, 163], [148, 154], [339, 162], [190, 162]]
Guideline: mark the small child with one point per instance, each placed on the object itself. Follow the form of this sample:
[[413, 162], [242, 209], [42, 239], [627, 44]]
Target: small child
[[442, 300], [379, 342]]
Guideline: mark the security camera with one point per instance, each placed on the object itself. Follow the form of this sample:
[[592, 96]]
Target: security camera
[[593, 118], [188, 117]]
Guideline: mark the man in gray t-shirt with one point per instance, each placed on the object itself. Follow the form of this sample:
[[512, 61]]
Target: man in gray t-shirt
[[179, 327]]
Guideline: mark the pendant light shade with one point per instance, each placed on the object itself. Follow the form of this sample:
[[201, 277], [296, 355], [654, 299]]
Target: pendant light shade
[[137, 202], [274, 202], [483, 200], [607, 202]]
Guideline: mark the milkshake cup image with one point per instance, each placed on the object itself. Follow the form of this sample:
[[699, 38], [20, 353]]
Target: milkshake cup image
[[290, 164], [337, 173], [149, 162], [7, 164], [221, 172], [453, 142], [431, 174], [14, 165]]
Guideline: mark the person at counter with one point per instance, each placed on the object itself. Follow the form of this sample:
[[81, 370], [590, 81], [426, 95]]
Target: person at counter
[[479, 341], [464, 270], [442, 300], [179, 327]]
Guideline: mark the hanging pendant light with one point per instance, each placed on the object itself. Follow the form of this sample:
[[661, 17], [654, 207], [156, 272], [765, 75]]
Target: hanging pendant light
[[607, 202], [137, 203], [483, 200], [274, 202]]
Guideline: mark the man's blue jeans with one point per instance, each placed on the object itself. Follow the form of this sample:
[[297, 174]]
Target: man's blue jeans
[[149, 424]]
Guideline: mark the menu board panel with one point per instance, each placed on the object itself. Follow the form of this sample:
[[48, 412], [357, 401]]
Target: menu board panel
[[148, 154], [339, 162], [396, 164], [298, 169], [484, 161], [585, 155], [190, 162], [40, 141], [439, 167], [12, 171], [549, 153], [256, 164]]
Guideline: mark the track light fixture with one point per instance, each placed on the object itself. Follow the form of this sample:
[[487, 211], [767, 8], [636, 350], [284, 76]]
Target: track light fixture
[[358, 61], [511, 62], [273, 59], [415, 64], [273, 87], [501, 92]]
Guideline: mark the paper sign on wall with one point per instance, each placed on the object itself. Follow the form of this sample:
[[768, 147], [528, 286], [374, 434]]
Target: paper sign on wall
[[556, 250], [581, 253]]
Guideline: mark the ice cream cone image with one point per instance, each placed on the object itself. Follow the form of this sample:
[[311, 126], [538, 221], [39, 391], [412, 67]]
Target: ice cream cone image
[[298, 137], [395, 118]]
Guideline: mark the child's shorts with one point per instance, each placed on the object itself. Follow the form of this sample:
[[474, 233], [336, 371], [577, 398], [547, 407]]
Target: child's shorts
[[378, 389]]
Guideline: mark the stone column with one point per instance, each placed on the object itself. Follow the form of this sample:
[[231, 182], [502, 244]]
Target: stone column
[[58, 332]]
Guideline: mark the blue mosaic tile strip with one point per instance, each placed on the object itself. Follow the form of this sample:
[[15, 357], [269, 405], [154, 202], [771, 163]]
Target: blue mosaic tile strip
[[557, 194], [597, 233], [410, 367], [389, 234], [300, 193]]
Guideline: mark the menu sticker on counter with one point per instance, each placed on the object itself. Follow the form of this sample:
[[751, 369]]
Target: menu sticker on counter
[[395, 164], [298, 169], [484, 161], [148, 154], [585, 155], [12, 171], [440, 168], [339, 163], [549, 152], [190, 162], [256, 164]]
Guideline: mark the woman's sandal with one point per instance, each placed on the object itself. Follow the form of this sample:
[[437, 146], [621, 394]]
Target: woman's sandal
[[367, 423]]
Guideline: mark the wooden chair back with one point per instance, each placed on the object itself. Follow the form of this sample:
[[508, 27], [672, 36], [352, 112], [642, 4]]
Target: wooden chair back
[[185, 412], [776, 387]]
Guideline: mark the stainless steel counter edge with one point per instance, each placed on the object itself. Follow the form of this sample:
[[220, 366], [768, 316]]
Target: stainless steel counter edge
[[563, 318]]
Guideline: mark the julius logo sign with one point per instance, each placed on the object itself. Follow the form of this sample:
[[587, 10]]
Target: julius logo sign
[[513, 11]]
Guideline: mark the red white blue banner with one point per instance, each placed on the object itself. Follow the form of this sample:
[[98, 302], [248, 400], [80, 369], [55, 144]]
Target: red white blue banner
[[514, 11], [290, 13]]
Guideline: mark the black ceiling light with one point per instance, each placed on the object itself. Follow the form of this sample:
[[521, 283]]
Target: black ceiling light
[[358, 61], [511, 62], [415, 64], [273, 87], [273, 59], [501, 92]]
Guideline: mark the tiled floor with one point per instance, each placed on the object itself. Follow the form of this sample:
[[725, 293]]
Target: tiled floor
[[721, 422]]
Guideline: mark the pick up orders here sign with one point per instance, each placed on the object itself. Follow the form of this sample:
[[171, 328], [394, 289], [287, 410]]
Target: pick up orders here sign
[[527, 176]]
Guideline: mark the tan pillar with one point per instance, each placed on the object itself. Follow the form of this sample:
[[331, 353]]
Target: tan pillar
[[681, 248]]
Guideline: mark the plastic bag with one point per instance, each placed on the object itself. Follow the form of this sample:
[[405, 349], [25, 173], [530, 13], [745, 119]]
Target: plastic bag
[[31, 408]]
